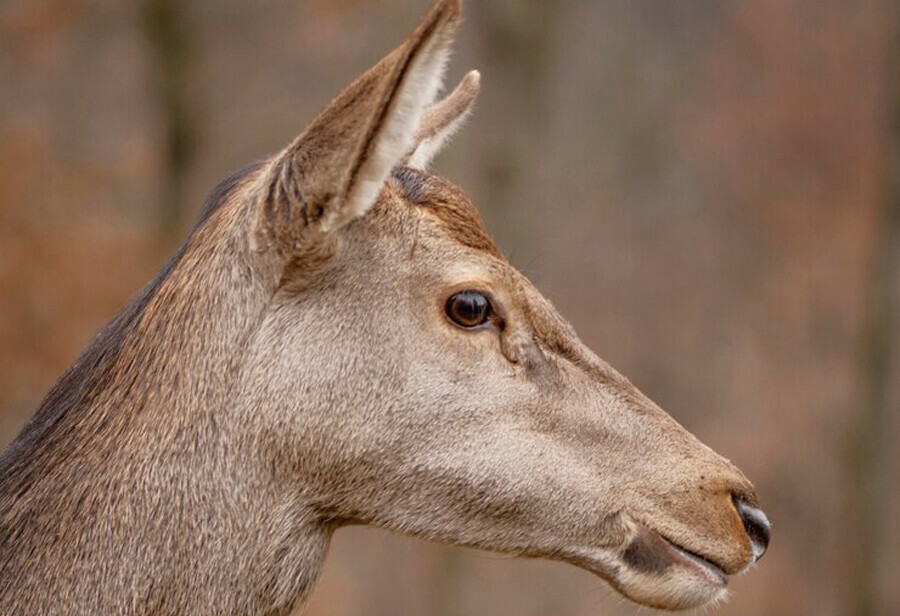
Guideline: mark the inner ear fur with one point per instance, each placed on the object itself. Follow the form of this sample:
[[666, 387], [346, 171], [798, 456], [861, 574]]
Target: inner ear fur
[[334, 171]]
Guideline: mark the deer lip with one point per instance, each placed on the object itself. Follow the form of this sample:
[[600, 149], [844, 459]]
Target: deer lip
[[694, 561]]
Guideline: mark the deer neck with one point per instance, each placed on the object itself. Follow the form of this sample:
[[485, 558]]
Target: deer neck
[[131, 491]]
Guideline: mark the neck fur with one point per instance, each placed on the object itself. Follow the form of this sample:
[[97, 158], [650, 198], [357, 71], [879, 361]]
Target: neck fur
[[131, 491]]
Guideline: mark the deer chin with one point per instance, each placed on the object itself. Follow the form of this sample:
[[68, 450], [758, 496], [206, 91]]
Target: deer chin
[[654, 571]]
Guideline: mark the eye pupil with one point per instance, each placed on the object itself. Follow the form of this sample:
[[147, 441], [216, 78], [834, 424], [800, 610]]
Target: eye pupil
[[468, 308]]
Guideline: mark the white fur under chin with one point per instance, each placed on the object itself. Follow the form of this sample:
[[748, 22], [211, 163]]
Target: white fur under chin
[[419, 88]]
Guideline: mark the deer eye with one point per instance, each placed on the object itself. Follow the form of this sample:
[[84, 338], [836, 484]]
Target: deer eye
[[469, 308]]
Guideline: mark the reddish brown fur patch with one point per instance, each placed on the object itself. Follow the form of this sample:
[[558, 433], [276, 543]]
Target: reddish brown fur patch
[[449, 205]]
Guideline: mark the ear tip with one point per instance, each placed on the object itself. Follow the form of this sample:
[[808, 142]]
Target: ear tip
[[468, 89], [439, 24], [453, 8], [448, 13]]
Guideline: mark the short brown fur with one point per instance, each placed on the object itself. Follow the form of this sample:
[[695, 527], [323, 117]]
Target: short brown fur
[[292, 370], [449, 204]]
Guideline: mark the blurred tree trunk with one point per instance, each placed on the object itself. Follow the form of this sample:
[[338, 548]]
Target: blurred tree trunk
[[518, 49], [167, 32], [872, 452]]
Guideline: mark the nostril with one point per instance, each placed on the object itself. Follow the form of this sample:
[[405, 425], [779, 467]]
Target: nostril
[[756, 524]]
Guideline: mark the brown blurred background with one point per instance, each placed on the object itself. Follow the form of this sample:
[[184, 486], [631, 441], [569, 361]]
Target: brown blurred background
[[708, 190]]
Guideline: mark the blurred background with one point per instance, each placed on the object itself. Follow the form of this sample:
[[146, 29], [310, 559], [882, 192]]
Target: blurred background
[[708, 190]]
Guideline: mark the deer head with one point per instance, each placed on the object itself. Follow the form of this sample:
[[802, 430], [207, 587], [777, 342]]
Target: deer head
[[341, 340], [411, 378]]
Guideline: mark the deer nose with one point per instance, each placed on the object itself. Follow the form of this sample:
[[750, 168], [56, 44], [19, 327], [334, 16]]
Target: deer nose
[[756, 524]]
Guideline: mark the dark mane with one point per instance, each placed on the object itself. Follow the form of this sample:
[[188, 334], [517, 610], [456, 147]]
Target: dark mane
[[90, 373]]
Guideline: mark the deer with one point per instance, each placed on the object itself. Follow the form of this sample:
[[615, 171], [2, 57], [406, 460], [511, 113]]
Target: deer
[[339, 342]]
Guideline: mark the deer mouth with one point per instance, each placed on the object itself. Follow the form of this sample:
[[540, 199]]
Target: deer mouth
[[700, 564], [653, 570], [651, 552]]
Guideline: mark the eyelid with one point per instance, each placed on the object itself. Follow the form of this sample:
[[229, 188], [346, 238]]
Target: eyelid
[[484, 284], [468, 309], [496, 314]]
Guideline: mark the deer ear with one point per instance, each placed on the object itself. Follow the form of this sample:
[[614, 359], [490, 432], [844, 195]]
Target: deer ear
[[335, 170], [441, 121]]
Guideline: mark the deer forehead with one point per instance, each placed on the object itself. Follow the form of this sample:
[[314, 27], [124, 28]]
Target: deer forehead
[[469, 259], [449, 205]]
